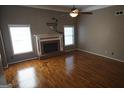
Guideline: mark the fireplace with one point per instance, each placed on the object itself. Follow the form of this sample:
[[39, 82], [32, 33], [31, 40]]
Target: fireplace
[[49, 44]]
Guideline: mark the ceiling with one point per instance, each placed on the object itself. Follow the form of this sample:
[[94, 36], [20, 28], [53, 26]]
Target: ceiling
[[66, 8]]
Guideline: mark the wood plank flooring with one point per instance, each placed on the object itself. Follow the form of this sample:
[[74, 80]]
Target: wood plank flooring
[[72, 70]]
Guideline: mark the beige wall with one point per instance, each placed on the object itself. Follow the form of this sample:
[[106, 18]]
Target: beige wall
[[37, 18], [102, 32]]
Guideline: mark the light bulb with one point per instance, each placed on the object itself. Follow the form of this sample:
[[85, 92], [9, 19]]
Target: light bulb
[[74, 13]]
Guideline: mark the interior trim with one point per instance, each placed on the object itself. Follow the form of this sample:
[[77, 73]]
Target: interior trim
[[65, 9], [100, 55], [22, 60], [4, 52], [96, 7], [34, 58], [70, 51]]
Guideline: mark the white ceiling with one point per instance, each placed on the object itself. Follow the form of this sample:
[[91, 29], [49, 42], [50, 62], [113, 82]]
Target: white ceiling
[[66, 8]]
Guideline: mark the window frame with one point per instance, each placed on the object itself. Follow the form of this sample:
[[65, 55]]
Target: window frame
[[72, 35], [20, 25]]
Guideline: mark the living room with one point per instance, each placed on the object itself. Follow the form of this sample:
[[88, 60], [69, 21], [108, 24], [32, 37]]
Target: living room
[[52, 46]]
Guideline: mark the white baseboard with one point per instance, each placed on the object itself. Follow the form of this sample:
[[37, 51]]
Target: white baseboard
[[70, 51], [34, 58], [100, 55], [22, 60]]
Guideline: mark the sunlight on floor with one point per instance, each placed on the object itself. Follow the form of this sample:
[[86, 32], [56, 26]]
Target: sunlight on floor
[[27, 77], [69, 64]]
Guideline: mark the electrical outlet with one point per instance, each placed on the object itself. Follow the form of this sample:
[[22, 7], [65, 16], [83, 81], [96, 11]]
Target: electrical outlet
[[112, 53]]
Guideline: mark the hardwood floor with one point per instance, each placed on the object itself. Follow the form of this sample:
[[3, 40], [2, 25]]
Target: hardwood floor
[[75, 69]]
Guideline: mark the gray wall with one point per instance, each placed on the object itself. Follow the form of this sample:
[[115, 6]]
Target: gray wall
[[37, 18], [102, 32]]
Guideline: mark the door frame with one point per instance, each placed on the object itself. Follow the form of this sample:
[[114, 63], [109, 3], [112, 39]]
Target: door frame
[[4, 52]]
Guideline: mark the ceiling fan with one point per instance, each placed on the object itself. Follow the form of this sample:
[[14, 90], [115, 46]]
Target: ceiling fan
[[74, 12]]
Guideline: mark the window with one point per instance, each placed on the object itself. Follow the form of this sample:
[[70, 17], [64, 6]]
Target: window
[[69, 35], [21, 38]]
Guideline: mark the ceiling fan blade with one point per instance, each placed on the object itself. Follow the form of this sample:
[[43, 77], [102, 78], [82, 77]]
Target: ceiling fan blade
[[86, 13]]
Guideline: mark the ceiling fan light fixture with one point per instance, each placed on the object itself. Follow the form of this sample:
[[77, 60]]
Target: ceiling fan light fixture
[[74, 13]]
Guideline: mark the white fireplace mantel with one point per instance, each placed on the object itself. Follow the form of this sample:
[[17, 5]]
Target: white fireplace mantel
[[47, 37]]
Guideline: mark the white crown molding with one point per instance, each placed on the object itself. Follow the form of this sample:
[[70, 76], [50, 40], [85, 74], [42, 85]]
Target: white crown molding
[[95, 7], [66, 9], [49, 7]]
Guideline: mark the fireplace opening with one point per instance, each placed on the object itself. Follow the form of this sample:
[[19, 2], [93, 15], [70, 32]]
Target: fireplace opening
[[50, 46]]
